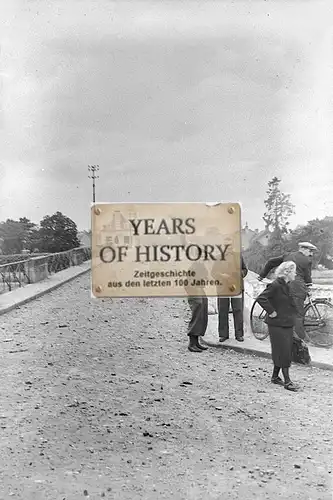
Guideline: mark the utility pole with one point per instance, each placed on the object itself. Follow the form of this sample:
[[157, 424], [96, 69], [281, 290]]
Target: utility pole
[[92, 170]]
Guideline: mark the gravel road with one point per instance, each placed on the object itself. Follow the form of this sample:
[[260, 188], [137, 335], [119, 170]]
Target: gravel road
[[102, 399]]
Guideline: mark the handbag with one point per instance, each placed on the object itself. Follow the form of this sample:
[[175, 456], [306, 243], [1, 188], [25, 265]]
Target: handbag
[[300, 353]]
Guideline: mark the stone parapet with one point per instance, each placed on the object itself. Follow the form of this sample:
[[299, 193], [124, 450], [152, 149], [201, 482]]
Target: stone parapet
[[40, 268], [36, 269]]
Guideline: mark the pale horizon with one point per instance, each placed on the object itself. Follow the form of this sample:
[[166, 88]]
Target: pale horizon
[[175, 101]]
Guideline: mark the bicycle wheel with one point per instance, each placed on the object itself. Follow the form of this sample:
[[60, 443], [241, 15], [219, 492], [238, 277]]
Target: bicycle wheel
[[318, 323], [258, 326]]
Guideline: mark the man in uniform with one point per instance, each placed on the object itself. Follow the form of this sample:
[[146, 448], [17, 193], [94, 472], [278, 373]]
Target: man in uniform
[[298, 287], [237, 306], [199, 308]]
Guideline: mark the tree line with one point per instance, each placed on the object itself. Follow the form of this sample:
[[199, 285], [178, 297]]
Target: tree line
[[58, 233], [54, 233], [279, 209]]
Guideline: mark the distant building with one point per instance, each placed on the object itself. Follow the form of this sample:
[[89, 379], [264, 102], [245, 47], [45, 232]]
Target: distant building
[[119, 230], [250, 236], [84, 238], [262, 237], [247, 236]]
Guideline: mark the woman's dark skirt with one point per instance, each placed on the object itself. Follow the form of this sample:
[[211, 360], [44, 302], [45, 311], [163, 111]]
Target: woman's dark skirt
[[282, 345]]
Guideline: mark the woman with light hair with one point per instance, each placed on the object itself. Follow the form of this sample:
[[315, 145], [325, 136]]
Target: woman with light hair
[[277, 301]]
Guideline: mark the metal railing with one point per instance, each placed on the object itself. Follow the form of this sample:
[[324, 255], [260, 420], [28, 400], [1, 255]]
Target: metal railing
[[32, 269], [59, 261], [13, 275], [19, 257]]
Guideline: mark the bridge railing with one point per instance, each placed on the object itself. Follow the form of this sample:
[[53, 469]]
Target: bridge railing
[[33, 269]]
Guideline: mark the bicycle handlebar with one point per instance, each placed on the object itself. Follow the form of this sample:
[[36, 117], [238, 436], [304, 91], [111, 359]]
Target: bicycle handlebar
[[267, 281]]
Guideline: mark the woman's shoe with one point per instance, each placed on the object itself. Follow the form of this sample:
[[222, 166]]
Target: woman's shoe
[[290, 386], [277, 381]]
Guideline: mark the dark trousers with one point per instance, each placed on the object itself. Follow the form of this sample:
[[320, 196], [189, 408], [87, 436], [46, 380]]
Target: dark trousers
[[199, 320], [237, 311], [298, 292]]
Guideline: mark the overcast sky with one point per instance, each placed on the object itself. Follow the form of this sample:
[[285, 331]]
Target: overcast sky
[[176, 101]]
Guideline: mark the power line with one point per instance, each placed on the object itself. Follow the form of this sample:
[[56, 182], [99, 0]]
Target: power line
[[92, 169]]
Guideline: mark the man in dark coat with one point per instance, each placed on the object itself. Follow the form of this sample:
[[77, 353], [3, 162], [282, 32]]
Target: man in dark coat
[[199, 310], [298, 287], [237, 305]]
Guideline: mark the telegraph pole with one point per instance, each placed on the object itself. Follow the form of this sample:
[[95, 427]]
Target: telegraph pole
[[92, 169]]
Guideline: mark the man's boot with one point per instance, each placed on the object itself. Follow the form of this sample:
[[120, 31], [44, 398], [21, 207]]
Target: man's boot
[[202, 347], [193, 344]]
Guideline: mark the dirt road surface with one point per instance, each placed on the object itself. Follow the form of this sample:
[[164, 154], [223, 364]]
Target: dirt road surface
[[102, 399]]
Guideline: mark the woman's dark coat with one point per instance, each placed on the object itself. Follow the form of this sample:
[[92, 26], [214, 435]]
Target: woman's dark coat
[[277, 298]]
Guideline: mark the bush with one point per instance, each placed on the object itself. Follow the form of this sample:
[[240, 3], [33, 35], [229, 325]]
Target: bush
[[255, 257]]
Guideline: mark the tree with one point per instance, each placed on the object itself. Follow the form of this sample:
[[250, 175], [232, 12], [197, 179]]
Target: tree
[[29, 233], [11, 235], [278, 209], [17, 235], [255, 257], [57, 233], [277, 244]]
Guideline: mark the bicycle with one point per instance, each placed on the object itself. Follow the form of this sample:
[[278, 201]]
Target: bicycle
[[318, 321]]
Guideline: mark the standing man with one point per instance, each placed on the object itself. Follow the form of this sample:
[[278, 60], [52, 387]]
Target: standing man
[[199, 310], [237, 305], [298, 287]]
